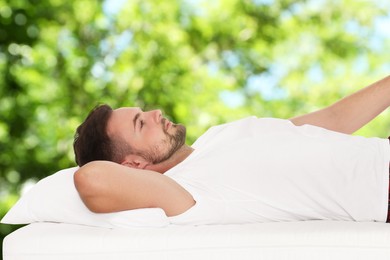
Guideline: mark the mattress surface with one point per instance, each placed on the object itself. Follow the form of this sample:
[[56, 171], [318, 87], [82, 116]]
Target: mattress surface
[[292, 240]]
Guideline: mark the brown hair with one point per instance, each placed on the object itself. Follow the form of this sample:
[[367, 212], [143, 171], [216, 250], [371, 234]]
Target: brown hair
[[91, 141]]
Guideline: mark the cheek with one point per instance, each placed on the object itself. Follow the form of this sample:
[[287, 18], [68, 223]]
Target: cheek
[[153, 136]]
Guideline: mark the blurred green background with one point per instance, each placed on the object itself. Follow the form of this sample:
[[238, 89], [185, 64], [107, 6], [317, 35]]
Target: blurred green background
[[202, 62]]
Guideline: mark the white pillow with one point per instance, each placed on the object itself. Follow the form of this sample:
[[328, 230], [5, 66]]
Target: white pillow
[[55, 199]]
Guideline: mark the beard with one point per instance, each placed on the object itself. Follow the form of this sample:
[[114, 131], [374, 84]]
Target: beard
[[173, 142]]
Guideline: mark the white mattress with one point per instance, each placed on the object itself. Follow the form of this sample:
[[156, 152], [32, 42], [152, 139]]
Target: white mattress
[[294, 240]]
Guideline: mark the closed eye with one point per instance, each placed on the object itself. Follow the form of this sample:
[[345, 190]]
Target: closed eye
[[135, 120]]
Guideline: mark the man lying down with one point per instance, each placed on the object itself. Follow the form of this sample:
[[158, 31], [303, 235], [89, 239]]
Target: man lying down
[[252, 170]]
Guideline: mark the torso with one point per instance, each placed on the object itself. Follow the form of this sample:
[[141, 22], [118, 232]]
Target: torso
[[260, 170]]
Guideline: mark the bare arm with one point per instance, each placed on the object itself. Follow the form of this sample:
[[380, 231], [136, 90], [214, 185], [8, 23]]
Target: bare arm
[[352, 112], [109, 187]]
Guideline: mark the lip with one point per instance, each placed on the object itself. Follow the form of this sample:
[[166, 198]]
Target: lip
[[166, 123]]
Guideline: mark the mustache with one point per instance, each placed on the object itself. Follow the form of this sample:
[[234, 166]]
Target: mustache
[[163, 123]]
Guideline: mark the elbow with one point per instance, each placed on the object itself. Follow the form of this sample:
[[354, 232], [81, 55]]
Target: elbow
[[86, 181]]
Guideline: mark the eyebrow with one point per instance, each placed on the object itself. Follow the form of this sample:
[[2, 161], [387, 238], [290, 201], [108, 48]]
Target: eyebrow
[[135, 119]]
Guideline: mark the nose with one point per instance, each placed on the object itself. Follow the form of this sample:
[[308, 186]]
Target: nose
[[156, 115]]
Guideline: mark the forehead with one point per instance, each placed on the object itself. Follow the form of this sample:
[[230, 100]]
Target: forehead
[[122, 110], [121, 118]]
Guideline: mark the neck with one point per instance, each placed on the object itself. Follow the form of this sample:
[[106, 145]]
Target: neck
[[174, 160]]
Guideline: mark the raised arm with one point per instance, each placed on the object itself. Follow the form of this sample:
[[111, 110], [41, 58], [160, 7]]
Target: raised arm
[[352, 112], [109, 187]]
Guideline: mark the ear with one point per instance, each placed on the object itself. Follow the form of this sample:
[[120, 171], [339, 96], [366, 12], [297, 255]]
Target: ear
[[135, 161]]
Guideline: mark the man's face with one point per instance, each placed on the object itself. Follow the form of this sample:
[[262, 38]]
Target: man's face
[[151, 135]]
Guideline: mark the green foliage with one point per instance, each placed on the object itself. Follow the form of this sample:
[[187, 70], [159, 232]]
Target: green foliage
[[202, 62]]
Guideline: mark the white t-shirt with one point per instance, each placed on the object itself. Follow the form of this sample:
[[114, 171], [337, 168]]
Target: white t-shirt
[[262, 170]]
